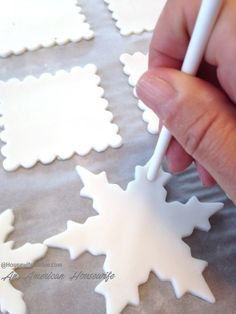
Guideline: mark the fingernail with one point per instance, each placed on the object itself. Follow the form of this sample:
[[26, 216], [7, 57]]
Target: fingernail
[[156, 93]]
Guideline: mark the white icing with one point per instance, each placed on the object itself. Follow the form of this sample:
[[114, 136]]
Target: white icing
[[135, 16], [54, 116], [134, 66], [139, 232], [11, 299], [30, 24]]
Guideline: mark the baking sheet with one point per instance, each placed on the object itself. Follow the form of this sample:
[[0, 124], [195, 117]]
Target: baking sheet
[[45, 197]]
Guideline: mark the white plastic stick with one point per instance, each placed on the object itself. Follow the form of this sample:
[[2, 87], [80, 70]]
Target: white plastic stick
[[207, 16]]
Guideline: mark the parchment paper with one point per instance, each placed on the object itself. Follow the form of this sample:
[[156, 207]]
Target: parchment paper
[[45, 197]]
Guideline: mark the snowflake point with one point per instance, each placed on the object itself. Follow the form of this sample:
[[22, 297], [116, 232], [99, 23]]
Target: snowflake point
[[7, 220], [71, 224], [11, 299], [8, 244]]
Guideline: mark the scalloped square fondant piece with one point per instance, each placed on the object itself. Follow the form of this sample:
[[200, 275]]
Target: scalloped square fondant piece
[[134, 66], [30, 24], [135, 16], [54, 116]]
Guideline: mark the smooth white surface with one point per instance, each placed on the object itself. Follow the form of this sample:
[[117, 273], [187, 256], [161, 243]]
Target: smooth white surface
[[139, 232], [135, 16], [31, 24], [134, 66], [54, 116], [207, 16], [11, 299]]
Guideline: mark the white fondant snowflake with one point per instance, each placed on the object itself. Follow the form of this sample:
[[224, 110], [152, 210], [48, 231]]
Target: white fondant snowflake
[[135, 16], [139, 232], [134, 66], [11, 299]]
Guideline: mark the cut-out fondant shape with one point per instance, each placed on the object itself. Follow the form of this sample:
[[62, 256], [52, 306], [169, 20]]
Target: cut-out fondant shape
[[134, 66], [139, 232], [135, 16], [29, 24], [11, 299], [54, 116]]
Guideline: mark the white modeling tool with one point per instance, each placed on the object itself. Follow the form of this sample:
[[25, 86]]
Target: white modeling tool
[[205, 21]]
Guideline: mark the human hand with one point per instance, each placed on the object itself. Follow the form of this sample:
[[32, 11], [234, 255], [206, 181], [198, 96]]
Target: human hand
[[199, 112]]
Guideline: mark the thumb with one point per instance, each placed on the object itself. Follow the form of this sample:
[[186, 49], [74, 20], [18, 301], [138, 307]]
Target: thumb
[[198, 115]]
